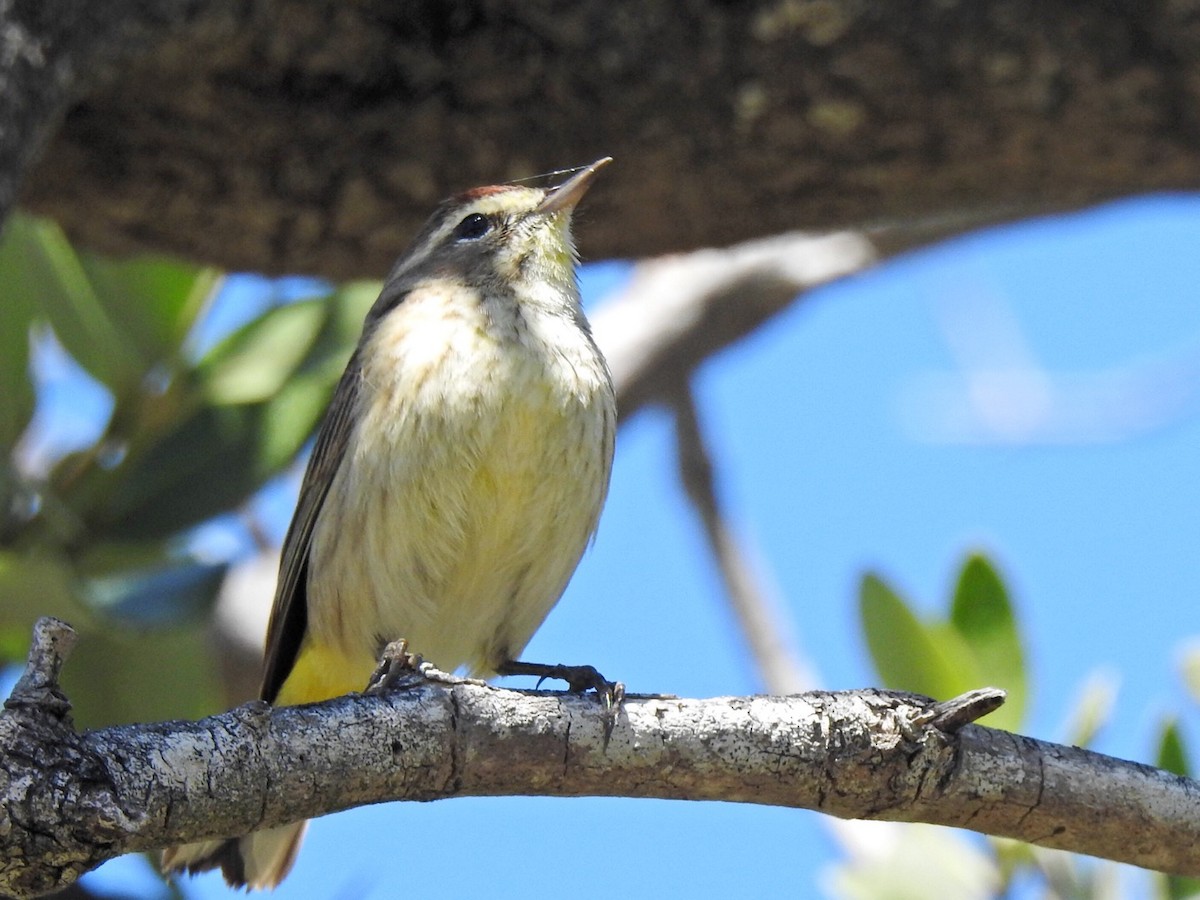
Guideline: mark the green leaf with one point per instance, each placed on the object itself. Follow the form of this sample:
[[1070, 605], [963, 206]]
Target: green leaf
[[256, 361], [292, 416], [156, 300], [262, 392], [1181, 887], [353, 300], [16, 305], [211, 463], [117, 677], [52, 278], [207, 465], [982, 613], [345, 310], [14, 643], [118, 319], [40, 583], [267, 387], [1172, 753], [909, 655]]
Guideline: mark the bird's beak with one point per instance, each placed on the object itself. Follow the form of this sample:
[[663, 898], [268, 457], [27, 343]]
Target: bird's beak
[[571, 191]]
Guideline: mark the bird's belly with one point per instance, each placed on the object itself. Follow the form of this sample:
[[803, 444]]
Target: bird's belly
[[456, 523]]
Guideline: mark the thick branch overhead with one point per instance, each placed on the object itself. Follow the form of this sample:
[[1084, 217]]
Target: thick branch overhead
[[315, 136]]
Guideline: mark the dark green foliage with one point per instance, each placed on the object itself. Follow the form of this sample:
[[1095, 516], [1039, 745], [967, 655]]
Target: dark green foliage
[[100, 536]]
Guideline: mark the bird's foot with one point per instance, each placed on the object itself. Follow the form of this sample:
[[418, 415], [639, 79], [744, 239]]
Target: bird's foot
[[578, 678], [395, 662], [398, 668]]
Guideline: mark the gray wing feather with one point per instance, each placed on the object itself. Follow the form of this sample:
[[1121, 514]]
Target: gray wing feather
[[289, 614]]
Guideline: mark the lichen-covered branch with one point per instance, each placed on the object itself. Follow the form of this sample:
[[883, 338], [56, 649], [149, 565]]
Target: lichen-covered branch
[[69, 801]]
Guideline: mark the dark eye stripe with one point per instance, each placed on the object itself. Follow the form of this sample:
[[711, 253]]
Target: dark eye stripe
[[472, 228]]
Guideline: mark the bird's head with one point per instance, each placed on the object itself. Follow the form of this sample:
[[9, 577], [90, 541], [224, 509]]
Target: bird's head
[[501, 236]]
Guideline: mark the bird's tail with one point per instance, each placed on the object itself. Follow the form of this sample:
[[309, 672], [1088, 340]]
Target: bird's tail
[[257, 860]]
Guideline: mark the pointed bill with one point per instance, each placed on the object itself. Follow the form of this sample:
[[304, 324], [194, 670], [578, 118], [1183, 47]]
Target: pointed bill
[[567, 194]]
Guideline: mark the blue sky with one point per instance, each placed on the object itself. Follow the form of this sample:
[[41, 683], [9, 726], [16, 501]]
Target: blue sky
[[1030, 391]]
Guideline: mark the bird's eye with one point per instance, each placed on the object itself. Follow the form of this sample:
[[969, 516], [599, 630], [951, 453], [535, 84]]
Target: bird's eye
[[472, 228]]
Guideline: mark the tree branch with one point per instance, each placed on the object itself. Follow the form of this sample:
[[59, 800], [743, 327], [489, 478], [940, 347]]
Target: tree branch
[[679, 310], [71, 801], [54, 51], [314, 135]]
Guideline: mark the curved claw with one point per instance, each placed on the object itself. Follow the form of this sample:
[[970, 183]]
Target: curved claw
[[394, 662], [579, 679]]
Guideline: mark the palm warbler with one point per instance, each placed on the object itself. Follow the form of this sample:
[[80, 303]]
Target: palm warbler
[[456, 479]]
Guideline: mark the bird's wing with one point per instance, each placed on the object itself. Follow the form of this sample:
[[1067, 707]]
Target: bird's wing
[[289, 614]]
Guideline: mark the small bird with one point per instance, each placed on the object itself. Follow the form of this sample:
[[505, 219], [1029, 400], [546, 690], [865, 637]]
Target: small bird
[[456, 479]]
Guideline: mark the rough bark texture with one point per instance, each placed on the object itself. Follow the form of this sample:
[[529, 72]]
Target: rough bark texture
[[69, 801], [316, 134], [53, 51]]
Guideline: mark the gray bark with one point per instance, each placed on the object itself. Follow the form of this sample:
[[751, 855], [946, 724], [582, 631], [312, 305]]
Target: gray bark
[[69, 801], [314, 135], [52, 52]]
